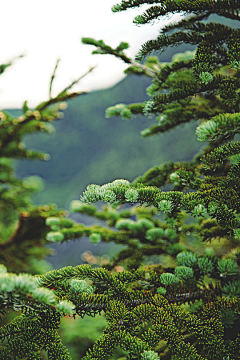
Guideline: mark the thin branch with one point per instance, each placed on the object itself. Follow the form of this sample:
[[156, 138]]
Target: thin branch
[[62, 96], [148, 70], [76, 81], [52, 78]]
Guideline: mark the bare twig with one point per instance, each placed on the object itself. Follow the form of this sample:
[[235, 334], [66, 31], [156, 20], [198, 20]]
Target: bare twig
[[52, 78], [76, 81]]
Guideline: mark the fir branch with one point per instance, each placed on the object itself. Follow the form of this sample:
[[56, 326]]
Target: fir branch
[[104, 49], [185, 22], [126, 4], [163, 41], [175, 66], [159, 175], [189, 90], [213, 33], [218, 155], [219, 127], [32, 115], [195, 7]]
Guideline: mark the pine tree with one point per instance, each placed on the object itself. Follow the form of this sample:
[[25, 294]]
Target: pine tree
[[189, 306]]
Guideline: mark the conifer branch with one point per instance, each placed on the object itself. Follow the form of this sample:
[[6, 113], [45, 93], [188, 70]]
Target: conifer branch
[[104, 49], [184, 23], [36, 116]]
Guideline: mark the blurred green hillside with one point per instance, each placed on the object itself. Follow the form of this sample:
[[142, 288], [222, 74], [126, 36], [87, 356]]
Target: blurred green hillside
[[88, 148]]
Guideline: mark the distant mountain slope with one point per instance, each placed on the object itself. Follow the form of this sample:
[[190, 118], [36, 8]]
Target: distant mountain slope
[[88, 148]]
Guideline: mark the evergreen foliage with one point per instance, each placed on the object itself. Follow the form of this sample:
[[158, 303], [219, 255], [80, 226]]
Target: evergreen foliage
[[187, 306], [22, 225]]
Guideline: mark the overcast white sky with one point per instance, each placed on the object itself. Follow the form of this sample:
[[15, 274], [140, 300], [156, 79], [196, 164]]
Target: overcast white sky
[[46, 30]]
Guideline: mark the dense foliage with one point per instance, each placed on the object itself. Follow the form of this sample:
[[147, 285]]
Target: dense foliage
[[188, 305]]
